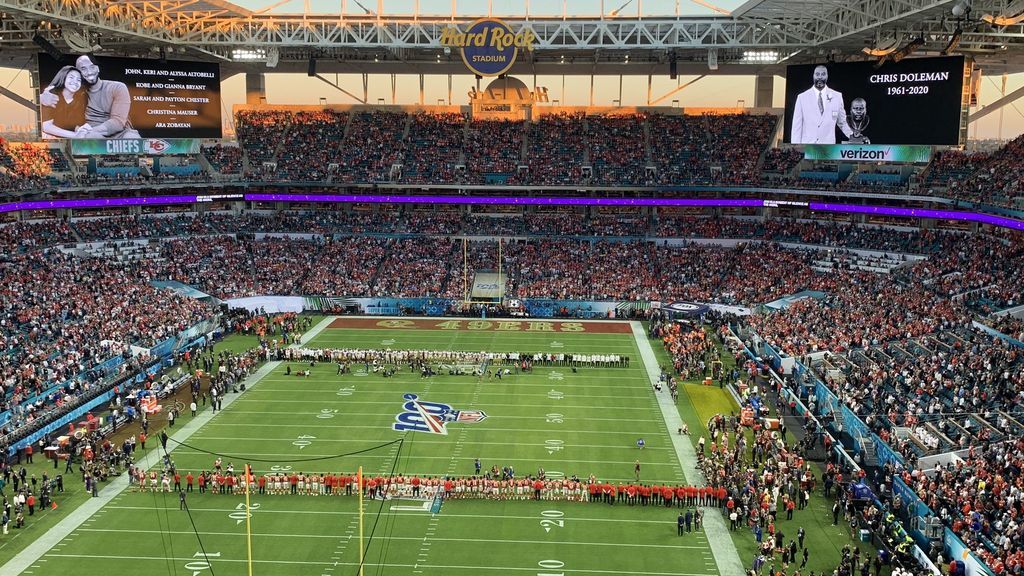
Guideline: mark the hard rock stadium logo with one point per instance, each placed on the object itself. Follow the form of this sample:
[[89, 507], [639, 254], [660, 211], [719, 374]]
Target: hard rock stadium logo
[[432, 417], [488, 47]]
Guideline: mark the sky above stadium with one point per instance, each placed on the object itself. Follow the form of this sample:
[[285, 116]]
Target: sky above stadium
[[496, 7]]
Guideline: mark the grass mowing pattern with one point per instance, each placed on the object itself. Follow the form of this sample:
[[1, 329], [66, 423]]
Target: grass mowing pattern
[[601, 413]]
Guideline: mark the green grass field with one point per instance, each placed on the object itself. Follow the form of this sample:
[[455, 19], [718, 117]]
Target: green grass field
[[570, 423]]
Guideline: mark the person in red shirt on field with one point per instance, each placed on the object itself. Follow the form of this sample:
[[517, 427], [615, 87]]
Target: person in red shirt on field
[[538, 487], [666, 495], [202, 483], [645, 495], [448, 487], [680, 496], [415, 482], [262, 484], [595, 490], [188, 482], [293, 481]]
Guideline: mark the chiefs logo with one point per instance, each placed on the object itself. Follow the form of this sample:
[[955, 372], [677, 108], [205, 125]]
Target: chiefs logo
[[157, 146]]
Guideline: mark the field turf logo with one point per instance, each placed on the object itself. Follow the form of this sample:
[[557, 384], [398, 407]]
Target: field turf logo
[[432, 417], [488, 47]]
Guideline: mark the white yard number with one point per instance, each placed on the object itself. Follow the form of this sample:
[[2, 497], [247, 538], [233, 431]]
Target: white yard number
[[554, 475], [326, 413], [556, 375], [280, 468], [197, 566], [556, 395], [552, 519], [303, 441], [551, 565], [346, 391], [555, 418], [240, 513], [553, 446]]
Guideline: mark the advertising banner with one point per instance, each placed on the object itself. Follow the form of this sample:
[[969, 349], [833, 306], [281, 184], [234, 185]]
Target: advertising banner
[[150, 146], [869, 153]]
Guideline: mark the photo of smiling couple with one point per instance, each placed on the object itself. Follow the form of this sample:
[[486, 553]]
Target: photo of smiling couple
[[78, 104]]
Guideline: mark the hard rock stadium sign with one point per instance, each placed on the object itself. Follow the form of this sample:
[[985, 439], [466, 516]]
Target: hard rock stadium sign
[[488, 47]]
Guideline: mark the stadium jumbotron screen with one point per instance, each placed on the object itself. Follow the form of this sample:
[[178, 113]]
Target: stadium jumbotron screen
[[915, 101], [97, 97]]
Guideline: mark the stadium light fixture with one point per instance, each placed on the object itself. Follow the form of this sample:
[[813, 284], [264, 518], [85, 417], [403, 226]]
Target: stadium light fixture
[[760, 56], [248, 54]]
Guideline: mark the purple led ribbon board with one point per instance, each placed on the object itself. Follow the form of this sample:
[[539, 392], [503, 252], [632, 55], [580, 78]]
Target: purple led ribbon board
[[96, 203], [497, 200], [521, 201], [921, 213]]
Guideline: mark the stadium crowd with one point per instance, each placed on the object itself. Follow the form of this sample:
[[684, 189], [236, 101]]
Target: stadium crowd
[[912, 360], [434, 147]]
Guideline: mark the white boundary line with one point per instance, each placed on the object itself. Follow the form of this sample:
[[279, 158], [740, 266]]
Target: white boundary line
[[726, 556], [413, 538], [34, 551]]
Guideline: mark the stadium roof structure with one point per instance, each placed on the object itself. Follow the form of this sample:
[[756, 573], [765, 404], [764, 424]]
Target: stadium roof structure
[[758, 36]]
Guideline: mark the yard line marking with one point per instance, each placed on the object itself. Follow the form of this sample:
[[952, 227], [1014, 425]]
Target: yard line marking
[[476, 428], [390, 457], [475, 568], [458, 447], [391, 415], [531, 518], [328, 385], [490, 404]]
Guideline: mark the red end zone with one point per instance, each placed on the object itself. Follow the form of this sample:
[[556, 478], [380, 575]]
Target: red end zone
[[497, 325]]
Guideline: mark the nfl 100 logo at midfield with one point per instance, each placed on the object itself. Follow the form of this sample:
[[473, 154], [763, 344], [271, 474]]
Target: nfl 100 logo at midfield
[[432, 417], [488, 47]]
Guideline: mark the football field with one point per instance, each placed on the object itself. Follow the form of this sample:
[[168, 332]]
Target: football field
[[584, 421]]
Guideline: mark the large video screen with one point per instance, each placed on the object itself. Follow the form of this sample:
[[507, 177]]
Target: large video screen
[[98, 97], [914, 101]]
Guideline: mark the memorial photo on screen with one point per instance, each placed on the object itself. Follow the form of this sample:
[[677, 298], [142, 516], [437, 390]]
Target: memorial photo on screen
[[96, 97], [915, 101]]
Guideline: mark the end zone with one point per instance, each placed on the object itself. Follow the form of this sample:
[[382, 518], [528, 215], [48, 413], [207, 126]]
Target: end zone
[[482, 325]]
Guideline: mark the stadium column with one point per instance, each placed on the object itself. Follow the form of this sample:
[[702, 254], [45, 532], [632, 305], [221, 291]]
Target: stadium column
[[764, 90], [255, 88]]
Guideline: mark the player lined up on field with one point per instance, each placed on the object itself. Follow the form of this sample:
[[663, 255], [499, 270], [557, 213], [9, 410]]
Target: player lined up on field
[[226, 481], [388, 356]]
